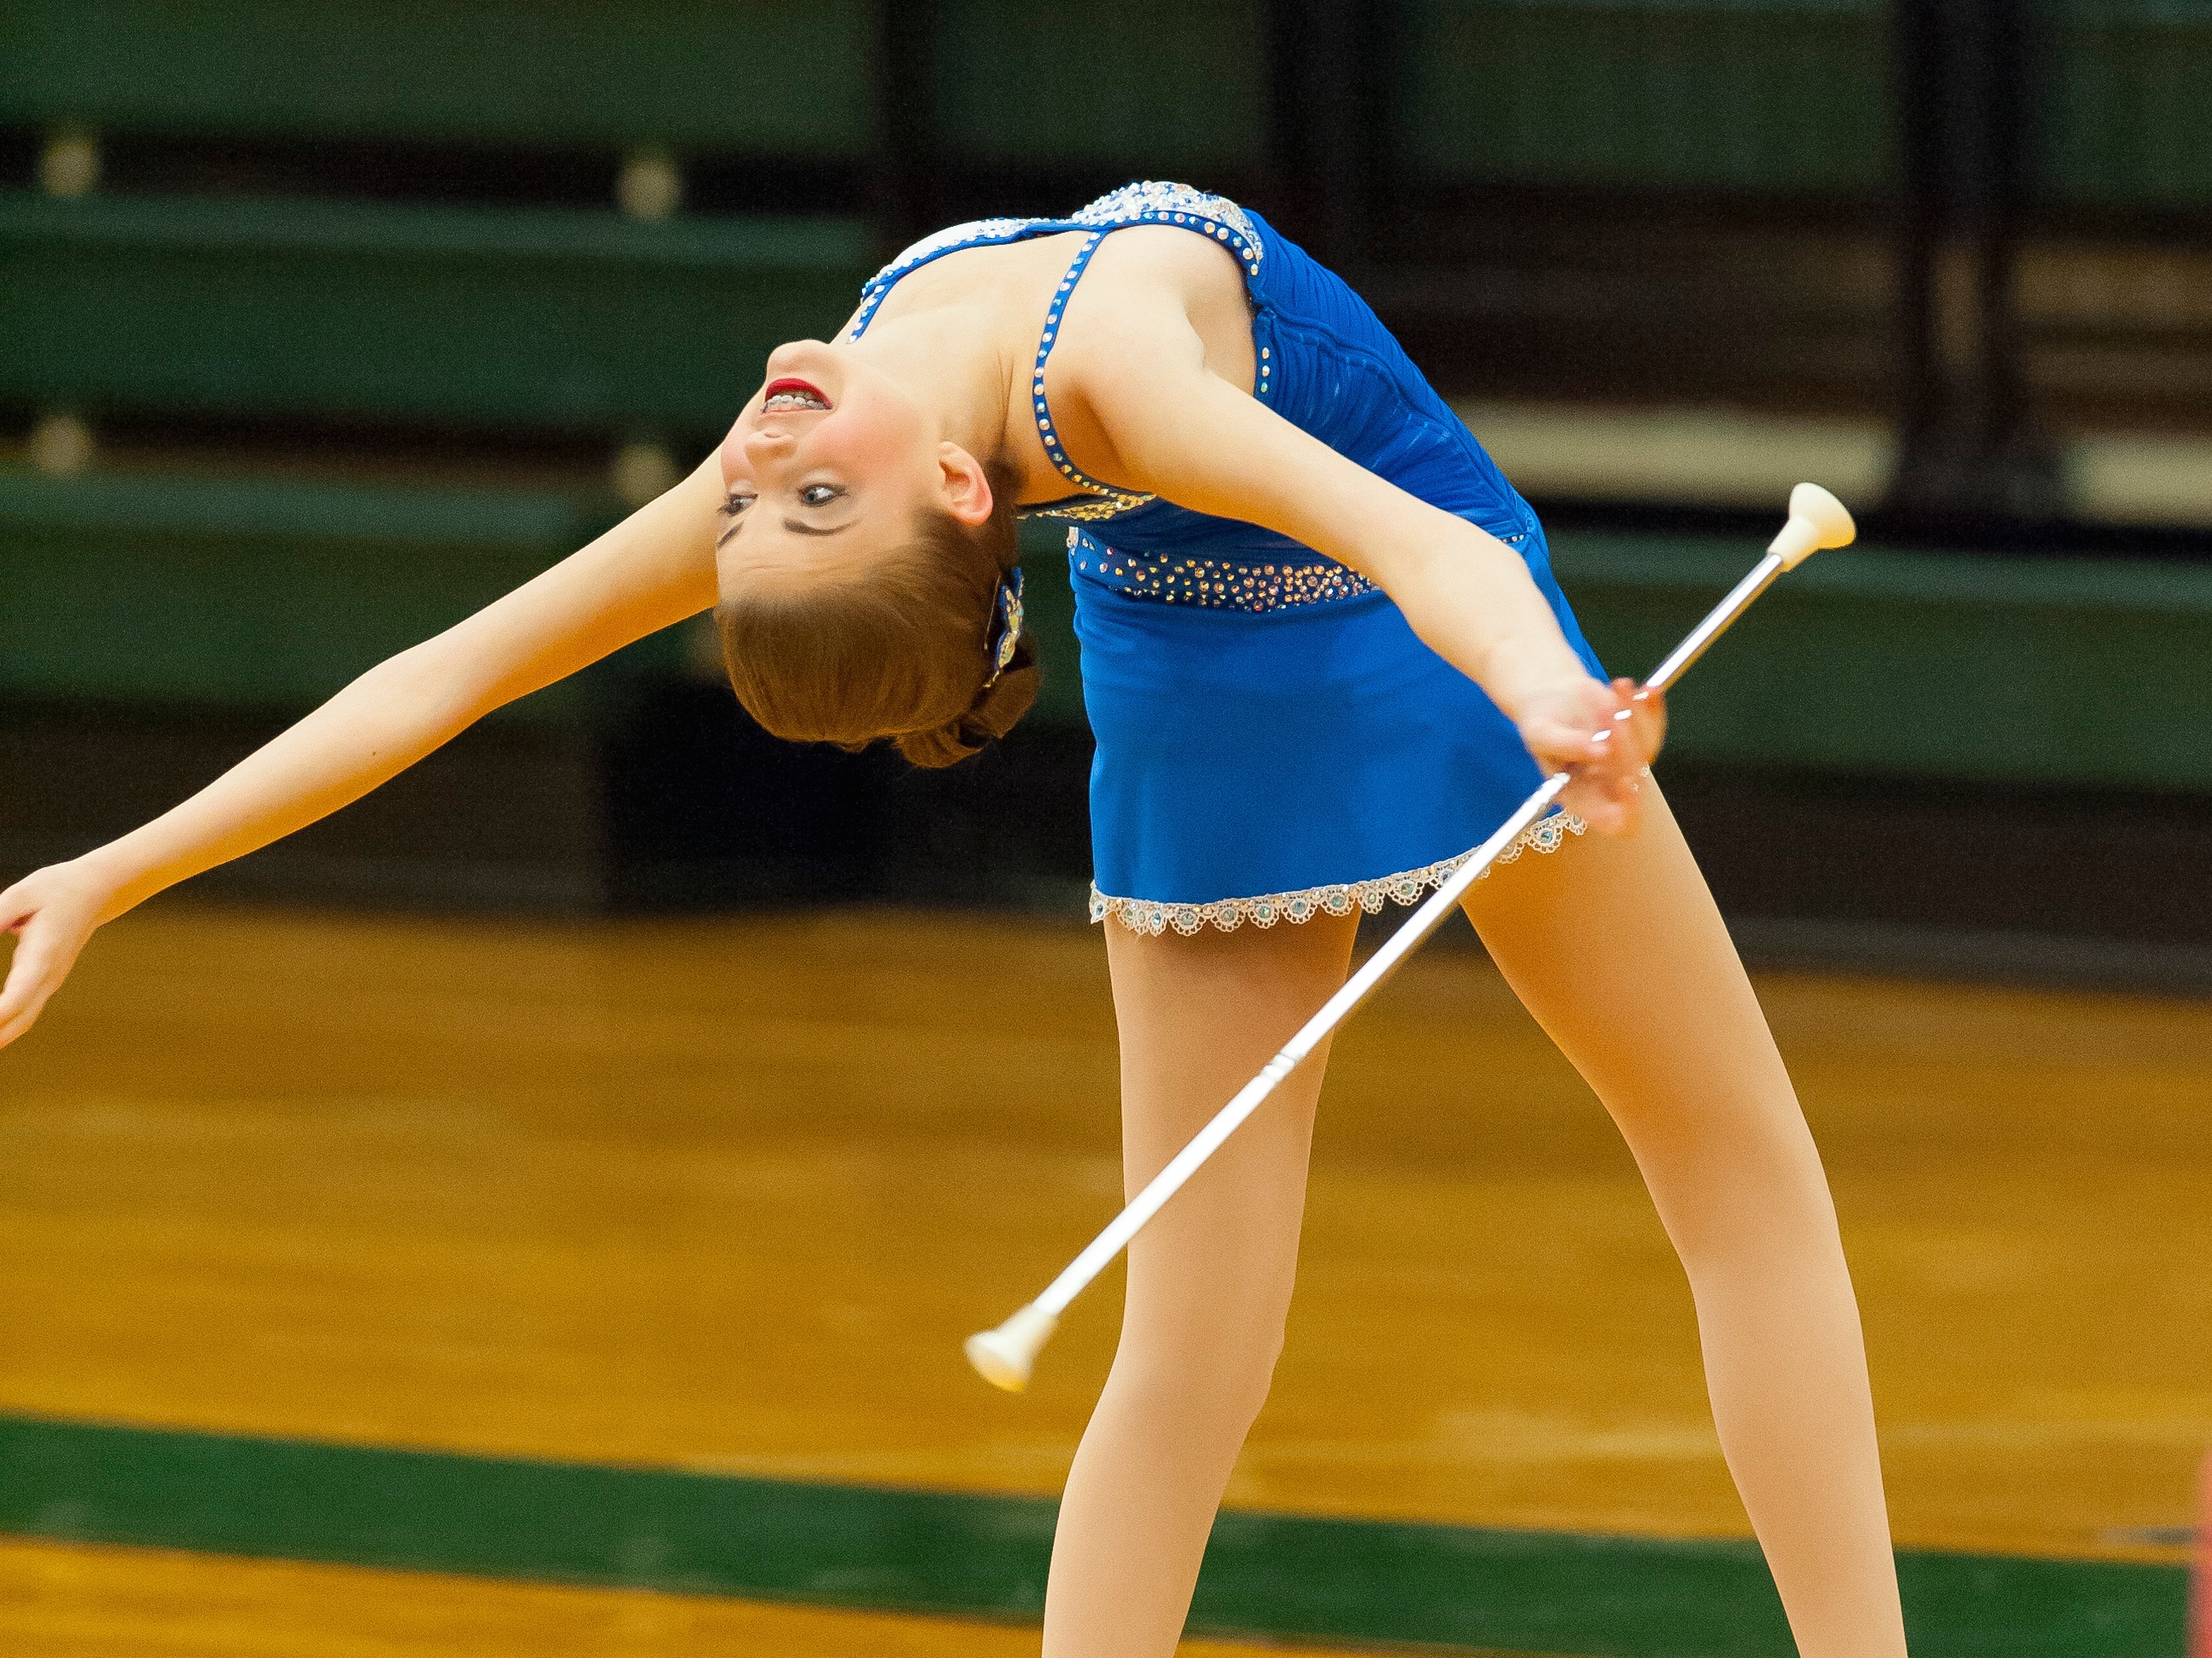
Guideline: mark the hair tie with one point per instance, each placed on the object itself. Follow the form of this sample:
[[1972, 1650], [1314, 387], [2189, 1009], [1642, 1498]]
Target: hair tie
[[1005, 634]]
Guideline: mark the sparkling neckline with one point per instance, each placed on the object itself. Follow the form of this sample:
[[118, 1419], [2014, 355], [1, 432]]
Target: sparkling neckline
[[1150, 201]]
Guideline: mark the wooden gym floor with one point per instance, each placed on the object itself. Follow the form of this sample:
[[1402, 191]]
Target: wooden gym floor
[[724, 1195]]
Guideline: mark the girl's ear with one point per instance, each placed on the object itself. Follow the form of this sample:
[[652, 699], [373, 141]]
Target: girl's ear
[[965, 486]]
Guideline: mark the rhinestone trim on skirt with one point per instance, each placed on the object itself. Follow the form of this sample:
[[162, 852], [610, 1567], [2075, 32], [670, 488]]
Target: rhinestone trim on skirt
[[1144, 916]]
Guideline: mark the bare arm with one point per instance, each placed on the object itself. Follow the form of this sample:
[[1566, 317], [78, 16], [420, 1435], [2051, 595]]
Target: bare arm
[[1177, 429], [655, 568]]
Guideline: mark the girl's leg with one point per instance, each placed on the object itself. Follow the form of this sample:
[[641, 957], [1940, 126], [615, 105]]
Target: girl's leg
[[1615, 946], [1209, 1280]]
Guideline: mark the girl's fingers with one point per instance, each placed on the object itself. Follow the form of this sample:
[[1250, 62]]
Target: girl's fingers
[[24, 972], [1557, 748], [18, 1015], [13, 1022], [1648, 716], [11, 1029], [43, 956], [1605, 735]]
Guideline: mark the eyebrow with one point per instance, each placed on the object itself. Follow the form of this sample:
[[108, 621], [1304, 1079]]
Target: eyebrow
[[799, 529]]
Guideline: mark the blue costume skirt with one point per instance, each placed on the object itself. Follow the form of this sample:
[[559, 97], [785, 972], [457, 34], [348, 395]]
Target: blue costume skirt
[[1273, 765]]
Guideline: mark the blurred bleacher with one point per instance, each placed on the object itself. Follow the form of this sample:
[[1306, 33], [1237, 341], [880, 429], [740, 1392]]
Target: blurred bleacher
[[324, 321]]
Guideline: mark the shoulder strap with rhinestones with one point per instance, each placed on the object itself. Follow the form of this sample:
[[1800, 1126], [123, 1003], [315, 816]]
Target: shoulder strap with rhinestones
[[1117, 500]]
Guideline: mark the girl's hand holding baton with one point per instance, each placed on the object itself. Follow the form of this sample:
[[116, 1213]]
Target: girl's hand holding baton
[[1602, 736]]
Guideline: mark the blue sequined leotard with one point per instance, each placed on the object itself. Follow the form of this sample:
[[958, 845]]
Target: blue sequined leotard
[[1274, 740]]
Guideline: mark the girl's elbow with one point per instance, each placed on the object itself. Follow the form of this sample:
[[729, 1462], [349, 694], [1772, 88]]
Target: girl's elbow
[[436, 686]]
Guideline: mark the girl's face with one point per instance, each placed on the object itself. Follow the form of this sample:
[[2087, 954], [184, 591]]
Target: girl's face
[[828, 465]]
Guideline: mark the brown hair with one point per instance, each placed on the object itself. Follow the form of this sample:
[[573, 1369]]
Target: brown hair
[[896, 649]]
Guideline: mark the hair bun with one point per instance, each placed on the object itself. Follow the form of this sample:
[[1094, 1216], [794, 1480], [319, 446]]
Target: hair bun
[[996, 709]]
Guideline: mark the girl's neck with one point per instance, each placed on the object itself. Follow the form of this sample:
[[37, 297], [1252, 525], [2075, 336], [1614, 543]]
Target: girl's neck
[[952, 361]]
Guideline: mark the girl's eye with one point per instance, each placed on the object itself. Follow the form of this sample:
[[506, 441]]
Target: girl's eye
[[818, 494], [735, 503]]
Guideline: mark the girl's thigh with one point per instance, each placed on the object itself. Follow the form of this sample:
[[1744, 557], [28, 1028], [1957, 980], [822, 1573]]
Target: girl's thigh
[[1615, 945], [1197, 1017]]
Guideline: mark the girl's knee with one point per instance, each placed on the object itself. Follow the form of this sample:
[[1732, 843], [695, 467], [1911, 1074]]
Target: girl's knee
[[1220, 1375], [1734, 1225]]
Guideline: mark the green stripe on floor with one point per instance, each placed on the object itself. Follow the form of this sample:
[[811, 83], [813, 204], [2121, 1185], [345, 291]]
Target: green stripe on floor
[[1266, 1575]]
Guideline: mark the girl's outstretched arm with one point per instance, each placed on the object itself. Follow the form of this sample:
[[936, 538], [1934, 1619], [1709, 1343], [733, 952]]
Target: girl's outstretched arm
[[655, 568], [1177, 429]]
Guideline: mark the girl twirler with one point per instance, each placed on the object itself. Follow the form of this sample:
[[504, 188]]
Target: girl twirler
[[1324, 656]]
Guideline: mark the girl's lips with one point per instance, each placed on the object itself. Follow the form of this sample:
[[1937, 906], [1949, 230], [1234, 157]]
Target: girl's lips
[[805, 388]]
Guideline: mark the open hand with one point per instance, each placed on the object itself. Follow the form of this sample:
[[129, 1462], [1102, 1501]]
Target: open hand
[[1603, 736], [52, 912]]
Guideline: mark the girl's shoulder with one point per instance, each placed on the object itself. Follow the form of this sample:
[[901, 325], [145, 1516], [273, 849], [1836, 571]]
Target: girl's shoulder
[[1148, 201]]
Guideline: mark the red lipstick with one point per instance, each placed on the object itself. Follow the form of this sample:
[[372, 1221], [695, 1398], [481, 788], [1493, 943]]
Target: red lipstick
[[789, 383]]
